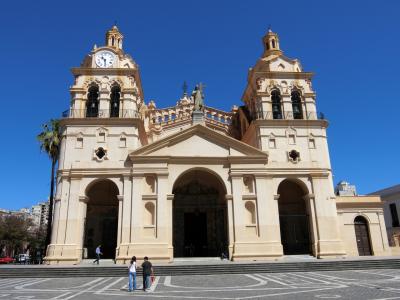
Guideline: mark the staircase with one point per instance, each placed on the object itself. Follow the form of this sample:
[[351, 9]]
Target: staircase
[[41, 271]]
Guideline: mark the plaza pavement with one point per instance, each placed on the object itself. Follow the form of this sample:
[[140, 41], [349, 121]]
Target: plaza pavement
[[361, 284]]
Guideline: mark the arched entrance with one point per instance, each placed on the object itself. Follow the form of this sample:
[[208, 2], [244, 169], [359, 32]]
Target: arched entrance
[[293, 218], [101, 224], [362, 236], [199, 215]]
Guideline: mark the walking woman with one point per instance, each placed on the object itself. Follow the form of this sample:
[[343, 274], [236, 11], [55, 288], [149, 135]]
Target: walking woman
[[132, 274]]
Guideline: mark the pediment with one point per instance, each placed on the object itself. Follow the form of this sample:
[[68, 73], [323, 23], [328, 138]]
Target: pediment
[[279, 63], [198, 141]]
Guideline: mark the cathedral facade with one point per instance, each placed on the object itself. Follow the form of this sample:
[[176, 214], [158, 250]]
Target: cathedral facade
[[189, 180]]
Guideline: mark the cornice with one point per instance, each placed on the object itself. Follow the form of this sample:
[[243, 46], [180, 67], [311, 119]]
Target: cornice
[[210, 160], [357, 206], [79, 173], [283, 75], [292, 122], [101, 121], [103, 71]]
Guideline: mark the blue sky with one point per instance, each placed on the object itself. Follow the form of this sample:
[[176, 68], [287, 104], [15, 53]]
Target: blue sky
[[352, 46]]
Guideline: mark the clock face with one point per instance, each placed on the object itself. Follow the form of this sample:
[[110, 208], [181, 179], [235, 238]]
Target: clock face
[[105, 59]]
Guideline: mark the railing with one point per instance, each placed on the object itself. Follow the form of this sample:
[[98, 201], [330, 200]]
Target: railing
[[289, 115], [177, 113], [101, 113]]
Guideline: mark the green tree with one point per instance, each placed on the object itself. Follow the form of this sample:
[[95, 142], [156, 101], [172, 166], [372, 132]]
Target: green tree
[[50, 141], [15, 233]]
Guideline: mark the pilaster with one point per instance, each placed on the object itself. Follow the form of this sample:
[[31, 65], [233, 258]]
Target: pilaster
[[238, 217], [329, 241], [231, 224], [126, 211], [268, 219]]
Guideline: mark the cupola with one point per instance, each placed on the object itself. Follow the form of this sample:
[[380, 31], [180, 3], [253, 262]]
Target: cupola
[[114, 38], [271, 44]]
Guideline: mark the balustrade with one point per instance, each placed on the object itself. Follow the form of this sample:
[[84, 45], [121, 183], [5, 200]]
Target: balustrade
[[100, 113], [289, 115]]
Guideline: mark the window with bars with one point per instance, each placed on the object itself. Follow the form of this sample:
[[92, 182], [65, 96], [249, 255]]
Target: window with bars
[[393, 213]]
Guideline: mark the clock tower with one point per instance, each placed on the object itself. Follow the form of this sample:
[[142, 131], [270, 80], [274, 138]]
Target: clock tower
[[100, 128]]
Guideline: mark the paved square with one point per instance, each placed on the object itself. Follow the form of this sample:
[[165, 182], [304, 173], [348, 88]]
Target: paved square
[[363, 284]]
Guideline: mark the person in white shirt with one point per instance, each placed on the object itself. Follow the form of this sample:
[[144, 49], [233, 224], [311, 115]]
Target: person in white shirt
[[132, 274], [98, 253]]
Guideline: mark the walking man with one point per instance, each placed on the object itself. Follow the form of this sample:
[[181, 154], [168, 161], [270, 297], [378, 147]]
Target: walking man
[[147, 268], [98, 253]]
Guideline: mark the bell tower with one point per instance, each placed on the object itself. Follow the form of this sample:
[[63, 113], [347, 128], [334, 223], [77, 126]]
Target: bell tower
[[106, 98], [271, 44], [114, 38], [280, 117]]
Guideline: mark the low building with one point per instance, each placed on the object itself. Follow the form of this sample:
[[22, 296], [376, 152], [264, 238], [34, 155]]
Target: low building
[[391, 199]]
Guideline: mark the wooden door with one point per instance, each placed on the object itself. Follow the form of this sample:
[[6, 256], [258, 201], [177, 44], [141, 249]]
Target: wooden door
[[362, 236], [295, 235]]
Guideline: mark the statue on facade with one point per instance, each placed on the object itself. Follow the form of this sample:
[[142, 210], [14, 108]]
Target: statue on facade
[[198, 97]]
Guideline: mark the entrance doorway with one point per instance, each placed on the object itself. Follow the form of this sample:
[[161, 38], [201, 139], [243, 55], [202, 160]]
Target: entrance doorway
[[294, 219], [362, 236], [101, 224], [199, 216]]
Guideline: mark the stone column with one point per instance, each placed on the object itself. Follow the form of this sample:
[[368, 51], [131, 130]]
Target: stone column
[[238, 216], [162, 225], [310, 108], [56, 220], [78, 105], [126, 214], [314, 234], [83, 200], [268, 216], [120, 209], [104, 102], [329, 243], [63, 212], [129, 104], [137, 208], [287, 109], [170, 199], [383, 233], [266, 106], [72, 235], [231, 224]]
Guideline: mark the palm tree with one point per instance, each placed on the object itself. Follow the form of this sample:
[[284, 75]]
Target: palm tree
[[50, 140]]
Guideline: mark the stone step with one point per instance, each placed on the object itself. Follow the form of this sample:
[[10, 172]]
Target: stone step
[[210, 269]]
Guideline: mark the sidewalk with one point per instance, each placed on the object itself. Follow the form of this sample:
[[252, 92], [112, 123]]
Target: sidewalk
[[203, 261]]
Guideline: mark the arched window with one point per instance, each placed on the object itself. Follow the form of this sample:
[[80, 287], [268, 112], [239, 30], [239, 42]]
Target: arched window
[[296, 105], [115, 96], [149, 214], [251, 213], [92, 104], [273, 44], [276, 104]]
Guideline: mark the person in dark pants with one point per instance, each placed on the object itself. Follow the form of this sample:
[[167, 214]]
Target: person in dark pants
[[98, 253], [147, 268]]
